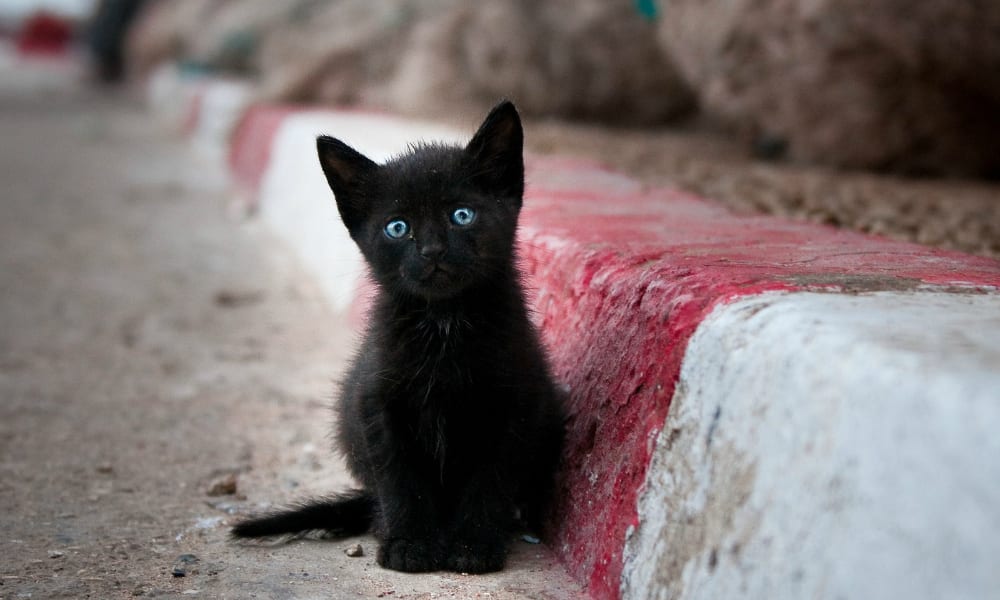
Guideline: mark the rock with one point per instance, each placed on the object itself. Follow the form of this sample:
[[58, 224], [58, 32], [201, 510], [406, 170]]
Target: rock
[[341, 52], [237, 298], [230, 507], [875, 84], [224, 486], [183, 565], [587, 59], [355, 551]]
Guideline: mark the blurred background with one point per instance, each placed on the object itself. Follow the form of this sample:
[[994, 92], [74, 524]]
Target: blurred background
[[879, 115]]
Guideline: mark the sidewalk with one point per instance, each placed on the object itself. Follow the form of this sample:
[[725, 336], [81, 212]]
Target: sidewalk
[[153, 347], [760, 408]]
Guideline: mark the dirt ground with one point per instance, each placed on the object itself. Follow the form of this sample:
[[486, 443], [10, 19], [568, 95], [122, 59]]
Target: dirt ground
[[960, 215], [156, 350]]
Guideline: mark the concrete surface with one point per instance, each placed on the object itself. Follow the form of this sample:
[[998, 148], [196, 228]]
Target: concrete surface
[[829, 446], [153, 346], [623, 276]]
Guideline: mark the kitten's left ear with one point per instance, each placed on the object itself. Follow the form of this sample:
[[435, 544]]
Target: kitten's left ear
[[346, 170], [497, 152]]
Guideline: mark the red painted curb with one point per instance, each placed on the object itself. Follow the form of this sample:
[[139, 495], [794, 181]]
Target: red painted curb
[[621, 276], [45, 34], [192, 112], [251, 142]]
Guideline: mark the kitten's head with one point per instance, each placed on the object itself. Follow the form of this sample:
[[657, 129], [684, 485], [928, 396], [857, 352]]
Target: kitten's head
[[437, 219]]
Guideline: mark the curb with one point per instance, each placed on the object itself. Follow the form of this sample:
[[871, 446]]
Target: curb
[[832, 395]]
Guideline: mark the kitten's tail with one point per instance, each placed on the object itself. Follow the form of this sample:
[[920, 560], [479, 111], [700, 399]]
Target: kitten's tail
[[343, 515]]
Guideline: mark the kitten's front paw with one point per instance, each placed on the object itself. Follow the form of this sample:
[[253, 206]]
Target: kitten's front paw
[[410, 556], [477, 557]]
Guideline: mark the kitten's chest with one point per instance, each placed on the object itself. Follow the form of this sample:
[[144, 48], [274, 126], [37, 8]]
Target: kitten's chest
[[440, 358], [444, 383]]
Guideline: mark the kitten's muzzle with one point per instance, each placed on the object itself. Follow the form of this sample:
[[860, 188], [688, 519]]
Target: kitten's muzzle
[[432, 270], [432, 251]]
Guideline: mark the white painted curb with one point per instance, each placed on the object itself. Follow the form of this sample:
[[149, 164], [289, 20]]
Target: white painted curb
[[207, 109], [829, 446]]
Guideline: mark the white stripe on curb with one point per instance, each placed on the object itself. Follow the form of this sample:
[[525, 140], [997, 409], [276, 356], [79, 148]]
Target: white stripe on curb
[[222, 104], [205, 108], [829, 446]]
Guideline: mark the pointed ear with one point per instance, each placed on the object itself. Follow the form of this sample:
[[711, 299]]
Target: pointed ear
[[346, 170], [497, 152]]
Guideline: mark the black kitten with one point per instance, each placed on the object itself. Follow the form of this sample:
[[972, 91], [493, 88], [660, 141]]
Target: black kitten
[[448, 414]]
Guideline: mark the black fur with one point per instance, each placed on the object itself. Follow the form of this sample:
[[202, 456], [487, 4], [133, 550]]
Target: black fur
[[448, 415]]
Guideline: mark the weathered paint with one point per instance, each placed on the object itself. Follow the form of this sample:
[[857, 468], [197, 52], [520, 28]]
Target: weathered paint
[[252, 145], [621, 276], [829, 446]]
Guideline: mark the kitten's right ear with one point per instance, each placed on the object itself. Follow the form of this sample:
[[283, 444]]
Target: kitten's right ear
[[497, 151], [345, 169]]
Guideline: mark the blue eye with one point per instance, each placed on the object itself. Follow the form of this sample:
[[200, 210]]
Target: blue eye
[[396, 228], [463, 216]]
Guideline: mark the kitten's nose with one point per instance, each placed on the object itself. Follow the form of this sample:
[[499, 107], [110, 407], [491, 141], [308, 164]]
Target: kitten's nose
[[432, 250]]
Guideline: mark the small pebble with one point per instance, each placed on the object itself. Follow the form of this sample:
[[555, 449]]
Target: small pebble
[[181, 564], [530, 539], [230, 507], [355, 551], [237, 298], [226, 486], [56, 554]]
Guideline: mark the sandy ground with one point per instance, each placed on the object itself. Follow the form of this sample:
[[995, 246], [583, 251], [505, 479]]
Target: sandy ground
[[960, 215], [152, 347]]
